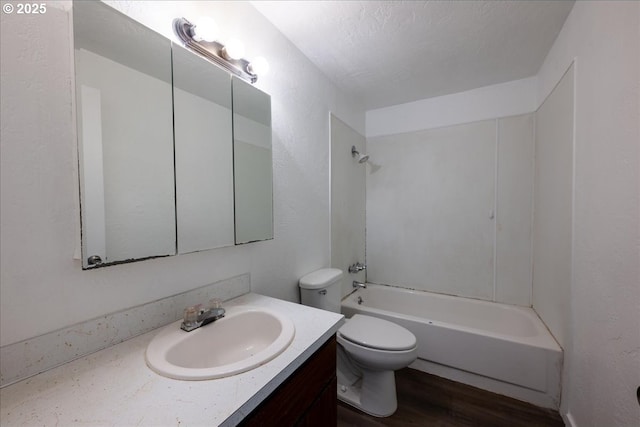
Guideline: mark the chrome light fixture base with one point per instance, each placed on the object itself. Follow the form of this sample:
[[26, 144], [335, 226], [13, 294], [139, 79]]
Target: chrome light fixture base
[[213, 51]]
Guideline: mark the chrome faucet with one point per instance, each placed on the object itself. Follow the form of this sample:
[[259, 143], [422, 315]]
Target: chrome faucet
[[359, 285], [357, 267], [197, 316]]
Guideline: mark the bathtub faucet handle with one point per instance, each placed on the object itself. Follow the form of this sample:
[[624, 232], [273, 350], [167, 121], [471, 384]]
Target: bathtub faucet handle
[[357, 267]]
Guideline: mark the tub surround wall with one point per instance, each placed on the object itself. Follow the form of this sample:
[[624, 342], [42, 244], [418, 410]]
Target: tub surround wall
[[429, 204], [449, 209], [39, 194], [515, 174], [348, 197], [553, 205]]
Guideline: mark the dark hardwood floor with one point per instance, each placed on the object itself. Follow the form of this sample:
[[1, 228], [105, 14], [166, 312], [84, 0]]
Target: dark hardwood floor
[[427, 400]]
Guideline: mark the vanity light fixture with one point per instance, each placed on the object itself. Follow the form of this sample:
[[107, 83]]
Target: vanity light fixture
[[205, 29], [259, 66], [234, 49], [201, 38]]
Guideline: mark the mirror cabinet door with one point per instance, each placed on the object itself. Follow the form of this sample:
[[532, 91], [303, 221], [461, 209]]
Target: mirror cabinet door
[[125, 137], [252, 163], [203, 152]]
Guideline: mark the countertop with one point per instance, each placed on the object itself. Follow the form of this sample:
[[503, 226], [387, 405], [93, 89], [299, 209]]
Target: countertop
[[115, 387]]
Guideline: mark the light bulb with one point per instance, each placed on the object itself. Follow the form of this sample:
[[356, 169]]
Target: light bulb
[[205, 29], [233, 49], [259, 66]]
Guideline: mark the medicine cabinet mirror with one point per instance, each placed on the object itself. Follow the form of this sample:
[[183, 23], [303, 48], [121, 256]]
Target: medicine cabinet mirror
[[173, 156], [252, 163], [204, 153], [125, 134]]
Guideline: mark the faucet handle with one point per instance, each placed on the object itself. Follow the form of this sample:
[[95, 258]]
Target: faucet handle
[[191, 314], [215, 303], [357, 267]]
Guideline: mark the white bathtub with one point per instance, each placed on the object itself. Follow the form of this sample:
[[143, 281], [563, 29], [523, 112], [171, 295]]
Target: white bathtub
[[502, 348]]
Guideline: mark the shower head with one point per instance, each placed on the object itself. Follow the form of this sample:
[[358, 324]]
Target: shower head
[[362, 158]]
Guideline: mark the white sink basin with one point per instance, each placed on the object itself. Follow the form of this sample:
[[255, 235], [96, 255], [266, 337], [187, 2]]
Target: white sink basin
[[244, 339]]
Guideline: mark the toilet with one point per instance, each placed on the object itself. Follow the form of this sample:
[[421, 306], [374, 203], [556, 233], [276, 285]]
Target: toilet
[[369, 349]]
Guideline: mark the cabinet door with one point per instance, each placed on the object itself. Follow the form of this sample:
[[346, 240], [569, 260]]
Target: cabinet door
[[203, 151], [324, 411], [307, 398], [125, 136], [252, 163]]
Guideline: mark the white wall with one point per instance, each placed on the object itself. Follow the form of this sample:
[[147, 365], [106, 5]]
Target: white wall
[[449, 209], [348, 195], [552, 209], [39, 190], [602, 359]]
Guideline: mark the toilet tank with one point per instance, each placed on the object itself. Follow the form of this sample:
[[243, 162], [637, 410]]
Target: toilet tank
[[322, 289]]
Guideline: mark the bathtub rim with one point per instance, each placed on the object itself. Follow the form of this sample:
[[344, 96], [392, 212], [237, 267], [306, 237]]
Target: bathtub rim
[[543, 339]]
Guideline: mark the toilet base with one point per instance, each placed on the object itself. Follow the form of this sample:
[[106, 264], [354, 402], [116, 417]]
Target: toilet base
[[374, 393]]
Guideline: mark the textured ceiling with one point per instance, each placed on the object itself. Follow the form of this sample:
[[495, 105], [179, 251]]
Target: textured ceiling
[[392, 52]]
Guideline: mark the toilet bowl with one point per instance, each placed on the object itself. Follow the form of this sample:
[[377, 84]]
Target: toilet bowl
[[377, 344], [376, 348], [369, 349]]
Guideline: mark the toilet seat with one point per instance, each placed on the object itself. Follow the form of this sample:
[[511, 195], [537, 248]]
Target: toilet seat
[[375, 333]]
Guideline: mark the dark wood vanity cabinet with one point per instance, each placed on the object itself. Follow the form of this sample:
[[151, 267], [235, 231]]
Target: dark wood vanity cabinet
[[308, 398]]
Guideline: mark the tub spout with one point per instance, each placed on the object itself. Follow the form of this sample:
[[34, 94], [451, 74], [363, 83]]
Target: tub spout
[[358, 285]]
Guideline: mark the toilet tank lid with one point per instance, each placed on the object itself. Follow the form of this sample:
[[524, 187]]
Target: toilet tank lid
[[320, 278]]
